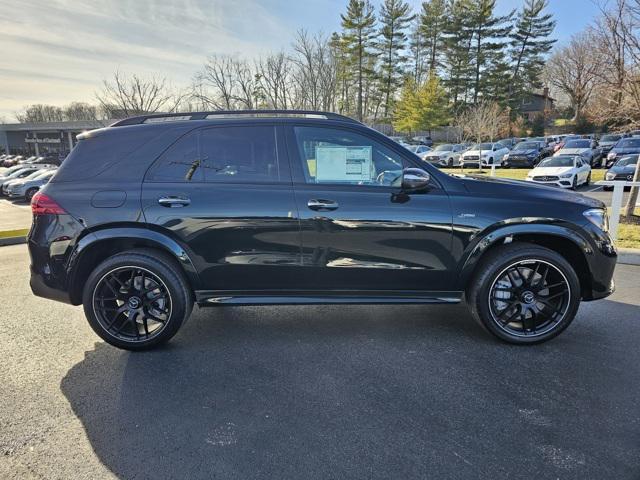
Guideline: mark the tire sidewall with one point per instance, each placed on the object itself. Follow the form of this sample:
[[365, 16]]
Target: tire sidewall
[[493, 269], [180, 306]]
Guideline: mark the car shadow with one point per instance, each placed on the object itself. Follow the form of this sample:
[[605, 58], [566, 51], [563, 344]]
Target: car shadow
[[338, 392]]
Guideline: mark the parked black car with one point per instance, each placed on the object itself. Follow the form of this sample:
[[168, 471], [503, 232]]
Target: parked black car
[[624, 146], [607, 142], [157, 212], [527, 154], [623, 170]]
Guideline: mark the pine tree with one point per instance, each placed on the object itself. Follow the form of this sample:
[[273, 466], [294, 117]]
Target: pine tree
[[530, 43], [432, 103], [457, 36], [395, 16], [433, 19], [489, 40], [359, 33]]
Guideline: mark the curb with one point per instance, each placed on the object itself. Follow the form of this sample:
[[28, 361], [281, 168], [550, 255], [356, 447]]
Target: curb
[[13, 237], [629, 256]]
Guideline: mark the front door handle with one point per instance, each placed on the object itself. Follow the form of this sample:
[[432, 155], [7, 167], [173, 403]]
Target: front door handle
[[173, 201], [322, 205]]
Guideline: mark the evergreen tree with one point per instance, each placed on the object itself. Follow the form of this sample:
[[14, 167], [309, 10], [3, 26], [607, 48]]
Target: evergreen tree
[[433, 18], [423, 107], [489, 40], [457, 40], [395, 16], [530, 43], [359, 34]]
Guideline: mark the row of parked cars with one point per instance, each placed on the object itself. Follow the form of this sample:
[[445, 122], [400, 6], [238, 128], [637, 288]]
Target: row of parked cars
[[23, 181], [13, 160]]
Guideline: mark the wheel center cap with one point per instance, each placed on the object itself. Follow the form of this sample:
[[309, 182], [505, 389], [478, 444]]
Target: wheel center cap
[[528, 297], [134, 302]]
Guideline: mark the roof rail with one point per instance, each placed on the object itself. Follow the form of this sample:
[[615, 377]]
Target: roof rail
[[175, 117]]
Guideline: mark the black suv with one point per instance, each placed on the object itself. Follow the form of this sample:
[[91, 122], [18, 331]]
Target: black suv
[[157, 212], [527, 154]]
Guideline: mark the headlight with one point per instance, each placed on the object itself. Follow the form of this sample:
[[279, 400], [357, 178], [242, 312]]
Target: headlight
[[610, 176], [598, 217], [612, 155], [566, 175], [506, 156]]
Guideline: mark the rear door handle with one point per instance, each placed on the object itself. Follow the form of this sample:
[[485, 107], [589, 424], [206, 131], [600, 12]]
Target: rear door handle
[[173, 201], [322, 205]]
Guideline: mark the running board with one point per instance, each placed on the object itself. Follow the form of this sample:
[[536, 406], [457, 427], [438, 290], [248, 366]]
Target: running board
[[287, 297]]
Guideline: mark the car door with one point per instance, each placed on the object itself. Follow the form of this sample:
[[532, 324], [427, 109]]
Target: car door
[[225, 194], [359, 230]]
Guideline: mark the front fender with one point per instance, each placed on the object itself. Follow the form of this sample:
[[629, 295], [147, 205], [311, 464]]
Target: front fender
[[497, 233]]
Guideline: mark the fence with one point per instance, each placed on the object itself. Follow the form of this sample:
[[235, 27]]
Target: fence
[[616, 204]]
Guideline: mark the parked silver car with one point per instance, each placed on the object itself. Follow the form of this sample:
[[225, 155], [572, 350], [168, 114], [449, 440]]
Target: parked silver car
[[28, 186], [447, 155]]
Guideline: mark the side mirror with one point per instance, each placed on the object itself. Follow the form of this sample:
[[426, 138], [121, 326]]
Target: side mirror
[[415, 179]]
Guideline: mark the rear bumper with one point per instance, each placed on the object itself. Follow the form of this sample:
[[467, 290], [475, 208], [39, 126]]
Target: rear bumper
[[42, 286]]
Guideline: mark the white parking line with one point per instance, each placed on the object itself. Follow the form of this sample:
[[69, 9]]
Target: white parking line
[[594, 188]]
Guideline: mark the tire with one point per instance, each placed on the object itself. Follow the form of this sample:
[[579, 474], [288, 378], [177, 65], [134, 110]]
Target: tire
[[159, 312], [587, 182], [574, 184], [30, 193], [486, 283], [450, 163]]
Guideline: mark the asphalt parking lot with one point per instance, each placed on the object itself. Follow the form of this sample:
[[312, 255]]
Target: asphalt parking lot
[[318, 392]]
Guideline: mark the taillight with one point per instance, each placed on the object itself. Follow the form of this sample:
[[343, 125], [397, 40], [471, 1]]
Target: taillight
[[41, 204]]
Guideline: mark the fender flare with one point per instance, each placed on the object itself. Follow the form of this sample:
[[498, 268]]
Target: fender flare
[[498, 233], [141, 234]]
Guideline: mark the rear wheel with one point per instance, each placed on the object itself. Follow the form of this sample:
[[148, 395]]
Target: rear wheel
[[137, 300], [30, 193], [524, 294]]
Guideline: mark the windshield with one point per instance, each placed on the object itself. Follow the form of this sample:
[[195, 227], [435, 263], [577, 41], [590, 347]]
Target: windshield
[[444, 148], [610, 138], [482, 146], [629, 143], [412, 148], [628, 160], [578, 144], [526, 145], [557, 162]]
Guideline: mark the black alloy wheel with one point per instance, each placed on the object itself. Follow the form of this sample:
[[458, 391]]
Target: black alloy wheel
[[524, 293], [588, 180], [137, 299], [574, 184], [529, 298], [131, 303]]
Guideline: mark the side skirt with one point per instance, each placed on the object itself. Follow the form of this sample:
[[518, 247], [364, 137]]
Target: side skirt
[[312, 297]]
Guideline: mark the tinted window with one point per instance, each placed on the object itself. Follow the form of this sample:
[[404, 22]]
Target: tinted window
[[336, 156], [179, 163], [578, 144], [246, 154], [629, 143]]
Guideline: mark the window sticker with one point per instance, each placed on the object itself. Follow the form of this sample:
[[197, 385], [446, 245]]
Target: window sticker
[[344, 164]]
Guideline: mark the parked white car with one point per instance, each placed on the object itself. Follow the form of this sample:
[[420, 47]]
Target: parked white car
[[420, 150], [486, 153], [27, 187], [447, 155], [566, 171]]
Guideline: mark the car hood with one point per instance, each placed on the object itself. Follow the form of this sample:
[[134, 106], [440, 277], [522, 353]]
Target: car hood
[[550, 170], [627, 169], [508, 188], [572, 151], [626, 150], [439, 153], [15, 182], [529, 151]]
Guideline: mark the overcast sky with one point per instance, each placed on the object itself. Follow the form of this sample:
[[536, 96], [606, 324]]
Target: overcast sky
[[57, 51]]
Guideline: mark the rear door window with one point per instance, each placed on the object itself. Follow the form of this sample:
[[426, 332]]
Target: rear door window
[[179, 163], [246, 154]]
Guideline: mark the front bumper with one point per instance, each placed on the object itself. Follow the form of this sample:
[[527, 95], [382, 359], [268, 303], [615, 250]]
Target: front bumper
[[561, 182]]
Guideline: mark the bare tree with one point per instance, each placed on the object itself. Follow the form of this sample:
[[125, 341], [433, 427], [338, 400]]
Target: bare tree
[[135, 95], [315, 72], [484, 121], [274, 77], [574, 71], [38, 113], [76, 111]]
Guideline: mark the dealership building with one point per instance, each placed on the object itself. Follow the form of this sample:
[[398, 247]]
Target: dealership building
[[47, 138]]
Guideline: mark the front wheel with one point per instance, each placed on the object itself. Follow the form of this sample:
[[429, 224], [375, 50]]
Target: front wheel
[[524, 294], [137, 299], [587, 182], [30, 193]]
